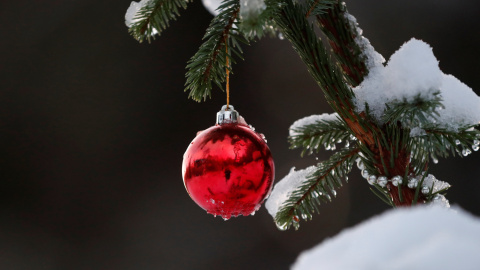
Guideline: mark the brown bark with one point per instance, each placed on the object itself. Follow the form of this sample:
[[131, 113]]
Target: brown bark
[[342, 46], [400, 164]]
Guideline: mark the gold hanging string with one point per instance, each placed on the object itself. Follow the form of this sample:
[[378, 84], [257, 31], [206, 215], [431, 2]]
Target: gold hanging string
[[228, 73]]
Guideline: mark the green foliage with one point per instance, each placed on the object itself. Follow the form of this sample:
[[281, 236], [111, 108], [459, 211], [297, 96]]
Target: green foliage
[[382, 194], [406, 135], [341, 35], [392, 140], [209, 63], [440, 142], [296, 28], [316, 189], [415, 113], [318, 7], [155, 17], [322, 133], [260, 23]]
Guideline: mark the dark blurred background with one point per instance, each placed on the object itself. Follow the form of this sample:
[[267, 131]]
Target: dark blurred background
[[93, 127]]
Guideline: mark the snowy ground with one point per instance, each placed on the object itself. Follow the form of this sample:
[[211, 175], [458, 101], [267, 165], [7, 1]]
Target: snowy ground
[[414, 238]]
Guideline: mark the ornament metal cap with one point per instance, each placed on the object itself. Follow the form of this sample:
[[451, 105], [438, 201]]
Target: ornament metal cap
[[227, 115]]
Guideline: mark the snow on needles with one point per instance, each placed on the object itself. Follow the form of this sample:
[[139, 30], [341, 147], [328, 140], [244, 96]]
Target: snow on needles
[[413, 72], [212, 6], [251, 8], [285, 187], [372, 58], [405, 238], [309, 120], [248, 8]]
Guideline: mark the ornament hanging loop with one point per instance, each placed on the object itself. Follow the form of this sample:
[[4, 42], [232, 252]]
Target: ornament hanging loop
[[227, 71]]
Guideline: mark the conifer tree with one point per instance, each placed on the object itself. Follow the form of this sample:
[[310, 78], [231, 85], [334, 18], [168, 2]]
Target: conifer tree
[[392, 138]]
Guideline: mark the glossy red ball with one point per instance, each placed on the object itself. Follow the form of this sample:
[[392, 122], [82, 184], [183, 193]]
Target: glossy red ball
[[228, 170]]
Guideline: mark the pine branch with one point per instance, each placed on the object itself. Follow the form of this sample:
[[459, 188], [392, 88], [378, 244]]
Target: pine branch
[[440, 142], [318, 7], [209, 63], [260, 23], [304, 201], [390, 156], [415, 113], [154, 17], [341, 35], [382, 194], [321, 133], [300, 33]]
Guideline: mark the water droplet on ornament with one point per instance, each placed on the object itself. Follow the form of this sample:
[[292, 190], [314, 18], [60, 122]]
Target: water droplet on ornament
[[253, 213], [251, 127], [263, 137], [425, 190], [280, 36]]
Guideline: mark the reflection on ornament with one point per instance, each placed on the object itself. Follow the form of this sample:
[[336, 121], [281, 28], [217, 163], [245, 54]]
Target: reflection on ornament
[[228, 169]]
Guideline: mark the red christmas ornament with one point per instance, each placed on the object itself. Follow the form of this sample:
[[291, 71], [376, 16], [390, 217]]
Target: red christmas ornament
[[228, 169]]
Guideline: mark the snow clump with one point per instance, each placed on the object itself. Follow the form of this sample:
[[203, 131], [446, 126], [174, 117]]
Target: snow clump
[[372, 58], [426, 238], [309, 120], [131, 14], [285, 187], [250, 9], [212, 6], [413, 73]]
